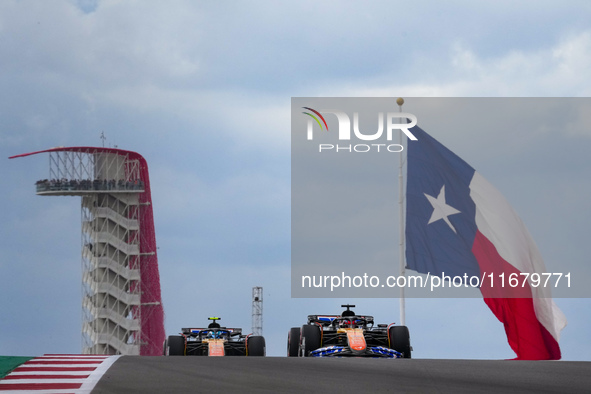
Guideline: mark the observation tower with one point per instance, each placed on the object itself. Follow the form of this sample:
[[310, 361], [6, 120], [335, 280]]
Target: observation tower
[[122, 309]]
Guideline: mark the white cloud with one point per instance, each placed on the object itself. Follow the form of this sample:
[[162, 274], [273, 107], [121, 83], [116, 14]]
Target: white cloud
[[557, 70]]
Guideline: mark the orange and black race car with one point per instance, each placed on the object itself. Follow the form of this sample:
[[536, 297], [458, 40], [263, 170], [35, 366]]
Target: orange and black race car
[[214, 341], [348, 335]]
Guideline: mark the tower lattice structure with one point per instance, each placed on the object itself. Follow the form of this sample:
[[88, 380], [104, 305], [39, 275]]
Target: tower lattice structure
[[122, 309], [257, 311]]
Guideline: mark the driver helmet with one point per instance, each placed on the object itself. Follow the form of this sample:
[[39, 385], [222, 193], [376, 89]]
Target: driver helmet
[[345, 323]]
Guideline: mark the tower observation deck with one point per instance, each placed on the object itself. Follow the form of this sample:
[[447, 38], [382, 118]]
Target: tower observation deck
[[122, 309]]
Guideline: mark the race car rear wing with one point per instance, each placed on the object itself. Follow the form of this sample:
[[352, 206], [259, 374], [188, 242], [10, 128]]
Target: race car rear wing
[[197, 331], [326, 320]]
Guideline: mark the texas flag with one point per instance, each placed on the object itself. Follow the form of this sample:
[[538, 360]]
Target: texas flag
[[457, 223]]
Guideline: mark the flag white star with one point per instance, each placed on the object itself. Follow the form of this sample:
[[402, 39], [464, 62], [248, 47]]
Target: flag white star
[[440, 208]]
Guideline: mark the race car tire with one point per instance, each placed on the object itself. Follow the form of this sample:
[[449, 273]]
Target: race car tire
[[256, 346], [311, 339], [293, 342], [165, 347], [400, 340], [176, 345]]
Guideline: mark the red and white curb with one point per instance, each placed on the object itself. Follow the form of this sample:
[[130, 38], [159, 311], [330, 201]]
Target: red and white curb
[[57, 373]]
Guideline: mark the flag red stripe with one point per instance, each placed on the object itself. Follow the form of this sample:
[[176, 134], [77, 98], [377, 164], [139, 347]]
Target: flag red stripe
[[513, 306]]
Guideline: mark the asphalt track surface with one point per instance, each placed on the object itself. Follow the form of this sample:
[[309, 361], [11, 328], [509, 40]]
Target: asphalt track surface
[[134, 374]]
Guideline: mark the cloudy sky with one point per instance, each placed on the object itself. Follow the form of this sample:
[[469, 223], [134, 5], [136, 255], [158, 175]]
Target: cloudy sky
[[203, 89]]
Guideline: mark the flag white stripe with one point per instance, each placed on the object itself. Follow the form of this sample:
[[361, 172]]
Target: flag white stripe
[[500, 224]]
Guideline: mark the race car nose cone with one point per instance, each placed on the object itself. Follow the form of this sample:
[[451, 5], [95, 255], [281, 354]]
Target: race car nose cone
[[356, 340]]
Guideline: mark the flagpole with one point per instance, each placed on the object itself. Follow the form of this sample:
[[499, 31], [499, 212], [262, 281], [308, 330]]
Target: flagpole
[[400, 101]]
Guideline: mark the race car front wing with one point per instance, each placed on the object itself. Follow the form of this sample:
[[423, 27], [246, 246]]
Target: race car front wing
[[345, 351]]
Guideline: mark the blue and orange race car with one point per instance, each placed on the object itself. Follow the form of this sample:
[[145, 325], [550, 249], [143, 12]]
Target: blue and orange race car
[[350, 335], [214, 340]]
